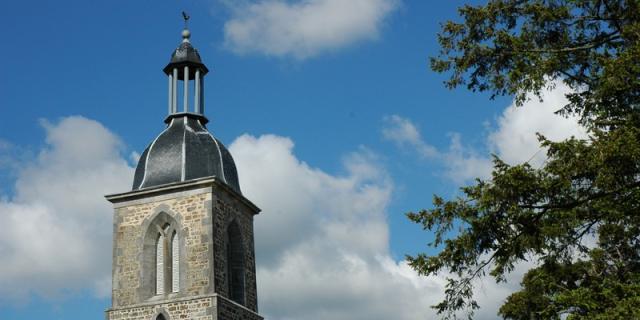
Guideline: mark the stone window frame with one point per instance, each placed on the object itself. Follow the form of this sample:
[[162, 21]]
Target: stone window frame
[[152, 228]]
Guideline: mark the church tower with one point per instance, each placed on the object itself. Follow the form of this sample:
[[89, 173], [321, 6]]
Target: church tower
[[183, 237]]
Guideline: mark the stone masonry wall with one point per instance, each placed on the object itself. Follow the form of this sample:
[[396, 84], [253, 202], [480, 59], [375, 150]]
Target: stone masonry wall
[[192, 213], [196, 309], [225, 210]]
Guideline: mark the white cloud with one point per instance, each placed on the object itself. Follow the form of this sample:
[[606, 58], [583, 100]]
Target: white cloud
[[514, 140], [303, 28], [309, 203], [405, 133], [463, 163], [56, 226], [323, 242]]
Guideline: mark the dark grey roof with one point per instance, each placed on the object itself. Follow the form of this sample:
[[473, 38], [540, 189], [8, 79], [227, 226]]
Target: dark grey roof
[[185, 150], [185, 55], [185, 52]]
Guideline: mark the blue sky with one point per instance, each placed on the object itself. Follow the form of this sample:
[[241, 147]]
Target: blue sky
[[357, 98]]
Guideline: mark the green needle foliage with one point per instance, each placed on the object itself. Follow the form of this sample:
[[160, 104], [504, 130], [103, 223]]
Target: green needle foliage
[[576, 219]]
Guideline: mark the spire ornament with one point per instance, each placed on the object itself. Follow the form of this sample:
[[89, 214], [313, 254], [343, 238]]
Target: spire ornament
[[186, 18], [186, 34]]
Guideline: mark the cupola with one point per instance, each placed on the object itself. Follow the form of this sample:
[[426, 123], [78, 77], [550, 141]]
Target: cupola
[[185, 150]]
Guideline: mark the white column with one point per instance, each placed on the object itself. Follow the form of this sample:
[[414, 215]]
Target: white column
[[174, 91], [170, 94], [160, 265], [175, 263], [196, 98], [202, 95], [185, 104]]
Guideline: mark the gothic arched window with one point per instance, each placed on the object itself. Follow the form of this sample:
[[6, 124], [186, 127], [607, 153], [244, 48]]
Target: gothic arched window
[[235, 263], [161, 257]]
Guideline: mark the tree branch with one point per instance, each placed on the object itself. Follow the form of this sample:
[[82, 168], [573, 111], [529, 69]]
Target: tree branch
[[576, 203]]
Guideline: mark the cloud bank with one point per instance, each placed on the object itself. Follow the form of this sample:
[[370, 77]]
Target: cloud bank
[[304, 28], [322, 241], [513, 140], [56, 227]]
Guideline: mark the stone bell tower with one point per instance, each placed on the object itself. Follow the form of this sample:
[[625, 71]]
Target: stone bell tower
[[183, 237]]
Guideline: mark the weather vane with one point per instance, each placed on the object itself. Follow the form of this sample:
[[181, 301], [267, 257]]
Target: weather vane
[[186, 17]]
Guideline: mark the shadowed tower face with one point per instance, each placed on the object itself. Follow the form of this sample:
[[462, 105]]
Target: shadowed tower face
[[183, 237]]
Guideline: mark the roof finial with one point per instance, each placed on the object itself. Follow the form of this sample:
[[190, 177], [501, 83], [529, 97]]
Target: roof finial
[[186, 33]]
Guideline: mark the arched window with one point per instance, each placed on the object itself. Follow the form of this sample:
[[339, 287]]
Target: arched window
[[235, 263], [161, 317], [161, 257]]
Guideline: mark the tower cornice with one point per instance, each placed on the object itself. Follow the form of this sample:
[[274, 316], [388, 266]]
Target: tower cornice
[[124, 198]]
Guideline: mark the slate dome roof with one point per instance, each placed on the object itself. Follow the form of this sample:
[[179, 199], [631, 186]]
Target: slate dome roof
[[186, 52], [185, 150]]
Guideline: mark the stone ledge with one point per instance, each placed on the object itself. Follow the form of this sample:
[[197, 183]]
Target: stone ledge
[[125, 198], [184, 299], [164, 301]]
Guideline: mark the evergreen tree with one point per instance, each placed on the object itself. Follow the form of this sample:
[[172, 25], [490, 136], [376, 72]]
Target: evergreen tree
[[578, 216]]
